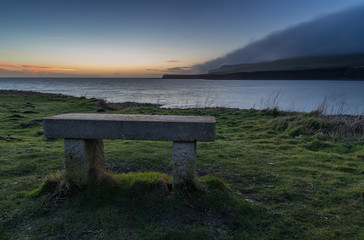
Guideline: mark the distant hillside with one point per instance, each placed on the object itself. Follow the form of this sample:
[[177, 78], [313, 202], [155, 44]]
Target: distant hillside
[[307, 63], [347, 67]]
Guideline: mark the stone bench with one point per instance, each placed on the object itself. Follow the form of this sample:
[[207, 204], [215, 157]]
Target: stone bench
[[84, 149]]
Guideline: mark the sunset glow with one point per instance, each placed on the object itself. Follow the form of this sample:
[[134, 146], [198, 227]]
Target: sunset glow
[[127, 40], [35, 67]]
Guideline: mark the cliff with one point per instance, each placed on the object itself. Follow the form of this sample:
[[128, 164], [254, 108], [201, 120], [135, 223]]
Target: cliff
[[344, 67], [311, 74]]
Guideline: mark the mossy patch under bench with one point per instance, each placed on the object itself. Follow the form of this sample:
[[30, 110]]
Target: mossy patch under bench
[[84, 133]]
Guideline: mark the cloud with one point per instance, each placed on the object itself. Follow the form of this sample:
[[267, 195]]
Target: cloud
[[180, 69], [334, 34], [8, 66], [35, 69], [9, 70], [46, 68], [14, 52], [11, 73], [48, 38], [173, 61]]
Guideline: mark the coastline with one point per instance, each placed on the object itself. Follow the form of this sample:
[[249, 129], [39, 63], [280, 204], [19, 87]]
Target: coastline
[[337, 74], [350, 121], [105, 105], [31, 93]]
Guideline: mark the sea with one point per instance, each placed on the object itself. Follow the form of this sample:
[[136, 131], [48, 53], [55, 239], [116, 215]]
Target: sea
[[333, 97]]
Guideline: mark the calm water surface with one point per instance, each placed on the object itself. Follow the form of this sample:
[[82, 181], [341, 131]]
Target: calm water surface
[[341, 96]]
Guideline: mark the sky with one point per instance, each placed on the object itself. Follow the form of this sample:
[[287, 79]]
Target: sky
[[140, 38], [334, 34]]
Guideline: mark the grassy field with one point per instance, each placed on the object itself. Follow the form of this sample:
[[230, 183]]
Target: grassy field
[[268, 175]]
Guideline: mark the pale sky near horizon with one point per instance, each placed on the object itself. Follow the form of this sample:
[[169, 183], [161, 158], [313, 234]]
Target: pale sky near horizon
[[138, 38]]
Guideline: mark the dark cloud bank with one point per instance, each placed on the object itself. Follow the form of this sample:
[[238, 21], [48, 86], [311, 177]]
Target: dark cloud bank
[[335, 34]]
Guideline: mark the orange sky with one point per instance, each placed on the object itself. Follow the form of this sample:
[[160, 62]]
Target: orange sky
[[129, 39]]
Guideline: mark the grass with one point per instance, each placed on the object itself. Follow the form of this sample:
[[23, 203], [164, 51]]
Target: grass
[[268, 175]]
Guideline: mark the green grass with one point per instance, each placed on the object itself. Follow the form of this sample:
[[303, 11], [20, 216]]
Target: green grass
[[258, 180]]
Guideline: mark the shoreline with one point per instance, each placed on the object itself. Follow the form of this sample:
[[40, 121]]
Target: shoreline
[[32, 93], [105, 105], [298, 75], [207, 77], [355, 123]]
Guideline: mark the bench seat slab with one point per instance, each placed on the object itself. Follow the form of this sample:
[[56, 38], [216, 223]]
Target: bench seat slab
[[130, 127]]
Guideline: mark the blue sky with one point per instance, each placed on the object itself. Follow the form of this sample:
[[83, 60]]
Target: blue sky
[[138, 38]]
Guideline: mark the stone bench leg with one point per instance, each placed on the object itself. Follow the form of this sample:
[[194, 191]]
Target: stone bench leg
[[184, 163], [84, 159]]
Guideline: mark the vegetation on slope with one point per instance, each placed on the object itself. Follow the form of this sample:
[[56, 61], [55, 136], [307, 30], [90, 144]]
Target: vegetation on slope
[[268, 175], [346, 67], [306, 63]]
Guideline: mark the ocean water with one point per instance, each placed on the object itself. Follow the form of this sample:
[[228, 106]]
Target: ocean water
[[296, 95]]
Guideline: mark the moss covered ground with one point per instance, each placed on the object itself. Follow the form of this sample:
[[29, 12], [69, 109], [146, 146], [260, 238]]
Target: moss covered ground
[[268, 175]]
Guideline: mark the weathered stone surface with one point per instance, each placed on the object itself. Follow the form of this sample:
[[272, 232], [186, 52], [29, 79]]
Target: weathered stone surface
[[184, 163], [84, 159], [84, 150], [130, 127]]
